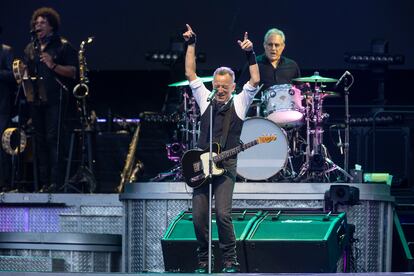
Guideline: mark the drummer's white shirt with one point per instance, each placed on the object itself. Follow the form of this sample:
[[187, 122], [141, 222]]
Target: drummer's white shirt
[[242, 101]]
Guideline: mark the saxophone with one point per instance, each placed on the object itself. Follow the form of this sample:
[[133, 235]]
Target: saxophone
[[130, 171], [81, 90]]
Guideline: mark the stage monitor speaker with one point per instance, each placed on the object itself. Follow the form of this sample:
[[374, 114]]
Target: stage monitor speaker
[[296, 242], [179, 243]]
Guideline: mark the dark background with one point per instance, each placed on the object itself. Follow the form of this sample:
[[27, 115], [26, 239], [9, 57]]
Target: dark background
[[318, 33]]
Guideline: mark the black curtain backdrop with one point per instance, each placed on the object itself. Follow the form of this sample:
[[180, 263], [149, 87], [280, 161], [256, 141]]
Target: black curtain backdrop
[[317, 32]]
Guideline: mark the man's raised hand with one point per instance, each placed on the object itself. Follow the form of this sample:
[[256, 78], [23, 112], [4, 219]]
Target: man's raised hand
[[246, 44], [189, 36]]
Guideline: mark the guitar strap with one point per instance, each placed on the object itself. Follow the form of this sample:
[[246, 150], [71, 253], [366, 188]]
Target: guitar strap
[[226, 125]]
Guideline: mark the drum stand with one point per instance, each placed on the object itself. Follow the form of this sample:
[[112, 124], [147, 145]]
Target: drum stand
[[288, 172], [317, 165]]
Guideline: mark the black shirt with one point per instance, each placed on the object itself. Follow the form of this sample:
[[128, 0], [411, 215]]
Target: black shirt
[[286, 70], [62, 53]]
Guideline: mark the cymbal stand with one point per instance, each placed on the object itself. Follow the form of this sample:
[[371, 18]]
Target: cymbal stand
[[317, 165], [194, 123], [190, 118], [185, 117]]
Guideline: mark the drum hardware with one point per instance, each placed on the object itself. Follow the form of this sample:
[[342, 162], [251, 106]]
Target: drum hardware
[[191, 115], [317, 165], [175, 151], [189, 127]]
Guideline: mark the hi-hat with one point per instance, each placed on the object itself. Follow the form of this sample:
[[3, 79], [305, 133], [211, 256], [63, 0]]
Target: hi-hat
[[315, 78], [185, 82]]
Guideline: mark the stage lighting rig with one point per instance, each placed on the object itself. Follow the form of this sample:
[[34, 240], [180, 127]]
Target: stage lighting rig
[[375, 59], [170, 57], [174, 54], [377, 56]]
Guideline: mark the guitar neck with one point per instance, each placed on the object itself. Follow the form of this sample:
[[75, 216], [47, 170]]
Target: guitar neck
[[234, 151]]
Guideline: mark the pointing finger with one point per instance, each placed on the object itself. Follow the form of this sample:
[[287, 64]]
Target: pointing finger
[[246, 36]]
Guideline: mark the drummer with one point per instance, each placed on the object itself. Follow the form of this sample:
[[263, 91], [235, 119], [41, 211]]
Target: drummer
[[274, 68]]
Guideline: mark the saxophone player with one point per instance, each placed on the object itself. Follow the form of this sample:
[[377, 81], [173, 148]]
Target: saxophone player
[[52, 65]]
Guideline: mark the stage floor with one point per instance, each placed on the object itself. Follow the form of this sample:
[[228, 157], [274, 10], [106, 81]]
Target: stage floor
[[244, 274]]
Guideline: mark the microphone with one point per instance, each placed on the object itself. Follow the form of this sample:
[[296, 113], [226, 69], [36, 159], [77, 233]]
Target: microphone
[[212, 94], [341, 78], [33, 32]]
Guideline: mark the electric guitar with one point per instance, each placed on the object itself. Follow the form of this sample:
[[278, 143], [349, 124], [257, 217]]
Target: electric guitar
[[195, 163]]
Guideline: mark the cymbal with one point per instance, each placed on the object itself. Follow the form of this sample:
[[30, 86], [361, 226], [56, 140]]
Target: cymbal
[[185, 82], [315, 78]]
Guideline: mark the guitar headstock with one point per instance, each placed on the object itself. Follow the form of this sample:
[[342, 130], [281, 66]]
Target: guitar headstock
[[266, 139]]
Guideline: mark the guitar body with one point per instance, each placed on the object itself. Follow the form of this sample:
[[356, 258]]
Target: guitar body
[[195, 166]]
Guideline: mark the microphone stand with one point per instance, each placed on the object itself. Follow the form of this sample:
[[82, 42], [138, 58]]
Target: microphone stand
[[210, 184], [59, 130], [347, 127]]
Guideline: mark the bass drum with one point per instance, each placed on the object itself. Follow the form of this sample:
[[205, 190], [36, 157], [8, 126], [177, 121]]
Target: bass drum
[[262, 161]]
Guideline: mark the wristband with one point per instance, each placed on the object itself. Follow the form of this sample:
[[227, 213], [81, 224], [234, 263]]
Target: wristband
[[192, 40], [54, 67], [251, 57]]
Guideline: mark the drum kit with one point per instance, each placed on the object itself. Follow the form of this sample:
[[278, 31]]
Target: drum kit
[[283, 110]]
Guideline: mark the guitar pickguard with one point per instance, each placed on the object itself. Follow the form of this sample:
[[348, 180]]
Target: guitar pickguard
[[215, 170]]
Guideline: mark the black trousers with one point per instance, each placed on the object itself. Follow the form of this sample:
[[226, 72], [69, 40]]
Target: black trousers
[[47, 123], [223, 187]]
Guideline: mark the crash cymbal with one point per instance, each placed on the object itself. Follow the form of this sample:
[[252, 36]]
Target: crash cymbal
[[315, 78], [185, 82]]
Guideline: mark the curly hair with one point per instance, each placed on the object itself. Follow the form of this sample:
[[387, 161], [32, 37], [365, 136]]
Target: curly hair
[[50, 14]]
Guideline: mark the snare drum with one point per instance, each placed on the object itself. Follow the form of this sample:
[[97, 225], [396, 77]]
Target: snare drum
[[284, 105], [262, 161]]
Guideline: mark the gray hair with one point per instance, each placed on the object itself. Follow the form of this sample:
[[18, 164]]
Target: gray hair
[[224, 71], [274, 31]]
